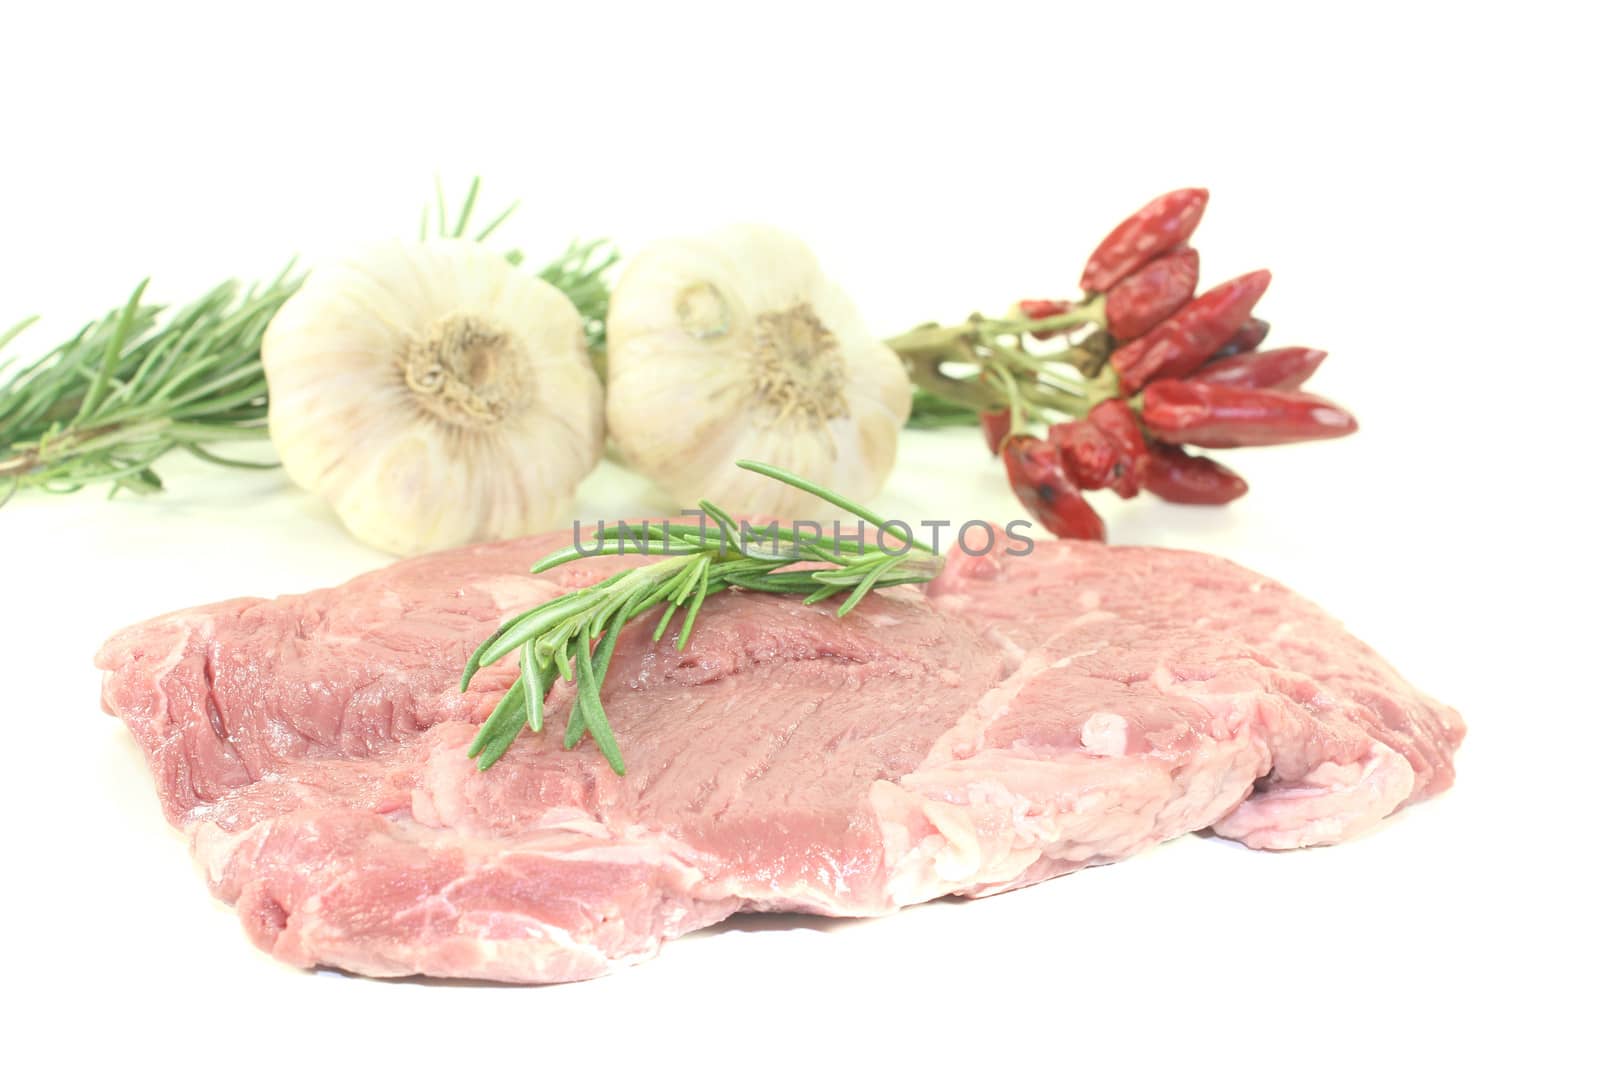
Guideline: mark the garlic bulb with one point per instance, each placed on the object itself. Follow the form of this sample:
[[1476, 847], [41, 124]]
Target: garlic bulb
[[433, 394], [735, 346]]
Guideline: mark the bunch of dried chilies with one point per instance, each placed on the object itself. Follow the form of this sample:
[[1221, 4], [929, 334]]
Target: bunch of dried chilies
[[1141, 368]]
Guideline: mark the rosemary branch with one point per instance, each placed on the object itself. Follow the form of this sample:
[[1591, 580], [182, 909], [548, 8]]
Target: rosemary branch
[[144, 381], [127, 390], [574, 635]]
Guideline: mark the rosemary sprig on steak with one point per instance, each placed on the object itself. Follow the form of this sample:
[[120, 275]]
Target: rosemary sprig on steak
[[574, 635]]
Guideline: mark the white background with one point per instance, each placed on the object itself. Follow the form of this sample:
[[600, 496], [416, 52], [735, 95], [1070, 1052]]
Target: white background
[[1421, 183]]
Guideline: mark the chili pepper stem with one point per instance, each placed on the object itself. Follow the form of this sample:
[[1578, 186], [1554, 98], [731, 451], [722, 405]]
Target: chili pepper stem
[[1001, 373], [1090, 312], [982, 330], [926, 369]]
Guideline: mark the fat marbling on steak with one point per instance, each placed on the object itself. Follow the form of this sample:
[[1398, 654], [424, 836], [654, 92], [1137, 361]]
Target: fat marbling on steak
[[1020, 718]]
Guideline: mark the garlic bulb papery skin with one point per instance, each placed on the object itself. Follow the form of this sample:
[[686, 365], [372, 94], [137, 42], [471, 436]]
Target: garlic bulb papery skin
[[735, 346], [434, 395]]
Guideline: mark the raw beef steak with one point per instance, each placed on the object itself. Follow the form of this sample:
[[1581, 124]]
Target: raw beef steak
[[1020, 718]]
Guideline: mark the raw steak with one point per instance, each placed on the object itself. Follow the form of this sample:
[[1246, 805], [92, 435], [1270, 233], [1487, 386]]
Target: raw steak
[[1020, 718]]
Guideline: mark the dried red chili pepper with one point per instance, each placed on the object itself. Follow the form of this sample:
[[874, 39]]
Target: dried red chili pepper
[[1275, 368], [1179, 478], [1044, 309], [1116, 420], [996, 425], [1219, 416], [1040, 480], [1183, 342], [1089, 455], [1160, 226], [1248, 339], [1148, 296]]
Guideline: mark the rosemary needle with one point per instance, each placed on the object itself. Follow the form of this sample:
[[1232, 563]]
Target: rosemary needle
[[574, 635]]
